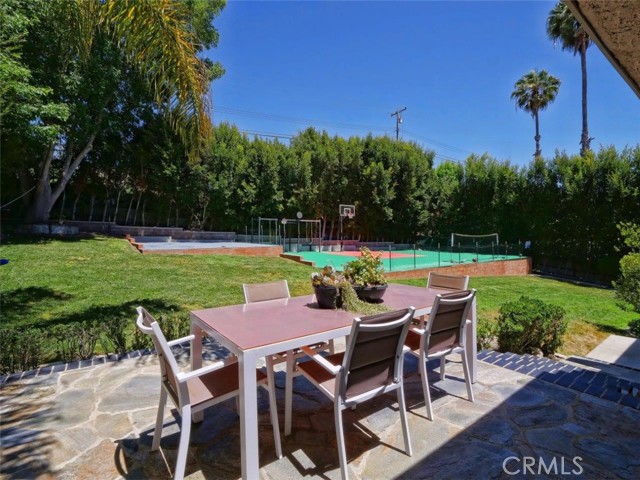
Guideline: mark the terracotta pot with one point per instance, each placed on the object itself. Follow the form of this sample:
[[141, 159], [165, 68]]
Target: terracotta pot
[[328, 297], [371, 294]]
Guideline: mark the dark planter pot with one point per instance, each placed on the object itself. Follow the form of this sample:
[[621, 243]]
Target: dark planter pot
[[371, 294], [328, 297]]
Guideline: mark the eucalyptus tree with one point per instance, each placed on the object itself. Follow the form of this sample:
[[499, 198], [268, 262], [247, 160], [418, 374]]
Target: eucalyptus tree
[[562, 26], [533, 93], [82, 54]]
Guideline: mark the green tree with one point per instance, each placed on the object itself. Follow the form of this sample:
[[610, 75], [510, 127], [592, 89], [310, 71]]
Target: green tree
[[533, 93], [628, 284], [562, 26], [83, 54]]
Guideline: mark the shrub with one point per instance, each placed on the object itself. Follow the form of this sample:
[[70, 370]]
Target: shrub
[[529, 325], [628, 284], [20, 349], [634, 327], [114, 335], [175, 325], [75, 341], [485, 334]]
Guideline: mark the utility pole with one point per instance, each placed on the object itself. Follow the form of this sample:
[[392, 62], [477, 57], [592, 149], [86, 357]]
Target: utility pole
[[398, 115]]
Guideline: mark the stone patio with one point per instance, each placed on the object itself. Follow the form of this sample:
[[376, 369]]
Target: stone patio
[[97, 423]]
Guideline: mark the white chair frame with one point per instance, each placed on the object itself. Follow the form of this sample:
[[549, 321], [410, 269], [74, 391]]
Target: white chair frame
[[341, 372], [424, 355], [175, 384], [277, 290]]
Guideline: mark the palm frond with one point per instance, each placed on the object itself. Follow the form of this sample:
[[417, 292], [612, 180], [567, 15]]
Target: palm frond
[[155, 36]]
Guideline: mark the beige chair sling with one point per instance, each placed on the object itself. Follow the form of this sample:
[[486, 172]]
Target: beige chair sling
[[370, 366], [261, 292], [444, 334], [447, 282], [192, 392]]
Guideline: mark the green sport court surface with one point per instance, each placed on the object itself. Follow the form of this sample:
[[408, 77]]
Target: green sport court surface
[[403, 260]]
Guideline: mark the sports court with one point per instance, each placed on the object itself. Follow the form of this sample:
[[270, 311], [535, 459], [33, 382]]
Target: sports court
[[403, 260]]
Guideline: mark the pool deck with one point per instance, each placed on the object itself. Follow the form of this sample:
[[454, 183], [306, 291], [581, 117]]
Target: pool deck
[[97, 422]]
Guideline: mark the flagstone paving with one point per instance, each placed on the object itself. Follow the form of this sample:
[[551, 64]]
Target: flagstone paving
[[97, 423]]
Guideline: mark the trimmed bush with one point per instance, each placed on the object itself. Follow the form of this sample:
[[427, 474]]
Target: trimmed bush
[[529, 325], [485, 334], [114, 335], [634, 327], [628, 284], [75, 341], [20, 349]]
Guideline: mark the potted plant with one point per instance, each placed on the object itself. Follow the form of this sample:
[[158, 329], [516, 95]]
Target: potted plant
[[366, 274], [326, 285]]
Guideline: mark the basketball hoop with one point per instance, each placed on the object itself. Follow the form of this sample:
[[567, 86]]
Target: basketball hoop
[[350, 215]]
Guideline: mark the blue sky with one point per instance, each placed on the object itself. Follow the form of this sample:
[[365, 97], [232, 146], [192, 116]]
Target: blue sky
[[344, 67]]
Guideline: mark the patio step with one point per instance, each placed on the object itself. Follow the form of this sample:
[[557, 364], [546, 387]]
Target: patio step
[[599, 383]]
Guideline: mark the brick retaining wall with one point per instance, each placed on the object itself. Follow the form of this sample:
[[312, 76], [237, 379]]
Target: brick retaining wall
[[517, 267]]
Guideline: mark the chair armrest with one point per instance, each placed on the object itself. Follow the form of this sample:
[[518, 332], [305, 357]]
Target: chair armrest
[[178, 341], [320, 360], [184, 376], [419, 331]]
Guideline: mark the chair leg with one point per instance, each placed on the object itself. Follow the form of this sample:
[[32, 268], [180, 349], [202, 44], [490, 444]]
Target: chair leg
[[405, 424], [332, 347], [467, 376], [342, 451], [273, 412], [425, 387], [185, 433], [271, 380], [443, 361], [288, 392], [157, 434]]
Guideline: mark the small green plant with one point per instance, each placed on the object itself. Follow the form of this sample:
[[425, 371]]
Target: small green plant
[[175, 325], [529, 325], [76, 341], [365, 271], [114, 335], [20, 349], [328, 277], [485, 334], [634, 327]]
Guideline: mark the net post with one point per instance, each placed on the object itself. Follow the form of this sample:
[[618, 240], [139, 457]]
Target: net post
[[459, 254], [438, 253], [414, 256], [389, 246]]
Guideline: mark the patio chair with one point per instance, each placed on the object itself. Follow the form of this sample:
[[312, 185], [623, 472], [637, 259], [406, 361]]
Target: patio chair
[[260, 292], [447, 282], [444, 334], [370, 366], [192, 392]]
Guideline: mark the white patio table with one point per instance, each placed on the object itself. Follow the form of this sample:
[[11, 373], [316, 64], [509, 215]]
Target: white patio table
[[252, 331]]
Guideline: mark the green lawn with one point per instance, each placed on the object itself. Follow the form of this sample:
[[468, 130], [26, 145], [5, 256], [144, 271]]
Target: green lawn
[[62, 281]]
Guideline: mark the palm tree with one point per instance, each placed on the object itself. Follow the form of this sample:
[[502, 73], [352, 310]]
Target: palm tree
[[533, 93], [159, 42], [562, 26]]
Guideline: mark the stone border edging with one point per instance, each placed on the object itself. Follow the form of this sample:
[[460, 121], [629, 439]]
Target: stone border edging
[[599, 384]]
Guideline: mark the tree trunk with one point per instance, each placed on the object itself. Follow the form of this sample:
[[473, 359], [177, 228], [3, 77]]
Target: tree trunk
[[537, 137], [135, 214], [106, 208], [169, 213], [144, 206], [44, 197], [115, 213], [93, 201], [75, 205], [64, 197], [585, 141], [126, 220]]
